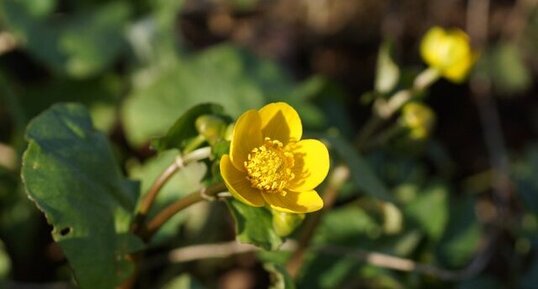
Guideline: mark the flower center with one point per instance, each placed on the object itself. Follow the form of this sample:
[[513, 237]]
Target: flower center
[[269, 166]]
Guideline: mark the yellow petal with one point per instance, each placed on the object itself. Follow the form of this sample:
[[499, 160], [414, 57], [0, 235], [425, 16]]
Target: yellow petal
[[281, 122], [246, 136], [311, 165], [294, 202], [449, 52], [238, 184], [430, 45]]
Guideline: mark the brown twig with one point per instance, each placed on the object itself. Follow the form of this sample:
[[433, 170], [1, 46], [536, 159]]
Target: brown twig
[[162, 217], [226, 249], [162, 179]]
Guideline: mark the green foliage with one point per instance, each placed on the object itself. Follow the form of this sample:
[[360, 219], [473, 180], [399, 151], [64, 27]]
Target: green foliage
[[278, 277], [79, 46], [148, 75], [184, 131], [429, 209], [188, 180], [505, 66], [5, 262], [361, 172], [223, 75], [183, 281], [254, 225], [70, 172]]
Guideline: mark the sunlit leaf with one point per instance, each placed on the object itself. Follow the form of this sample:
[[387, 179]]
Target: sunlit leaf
[[183, 281], [184, 128], [254, 225], [70, 172]]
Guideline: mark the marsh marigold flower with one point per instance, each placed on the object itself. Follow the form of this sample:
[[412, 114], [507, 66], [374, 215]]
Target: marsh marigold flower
[[269, 164], [448, 51]]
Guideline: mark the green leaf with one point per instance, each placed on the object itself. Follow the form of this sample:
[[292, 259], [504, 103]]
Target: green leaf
[[79, 45], [223, 75], [430, 210], [5, 262], [387, 73], [278, 277], [254, 225], [506, 68], [184, 129], [462, 235], [361, 173], [183, 281], [357, 227], [71, 174]]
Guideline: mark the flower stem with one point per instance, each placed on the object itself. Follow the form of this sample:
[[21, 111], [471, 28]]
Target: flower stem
[[167, 213], [385, 109], [162, 179]]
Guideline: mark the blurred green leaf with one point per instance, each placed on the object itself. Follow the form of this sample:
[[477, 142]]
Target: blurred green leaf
[[462, 235], [78, 45], [70, 173], [361, 173], [93, 42], [222, 75], [5, 262], [185, 181], [326, 272], [254, 225], [525, 172], [38, 8], [358, 226], [184, 128], [101, 95], [183, 281], [430, 209], [387, 73], [506, 68]]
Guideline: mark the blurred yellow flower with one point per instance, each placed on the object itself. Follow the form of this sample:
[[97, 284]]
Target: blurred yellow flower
[[448, 51], [418, 118], [270, 164]]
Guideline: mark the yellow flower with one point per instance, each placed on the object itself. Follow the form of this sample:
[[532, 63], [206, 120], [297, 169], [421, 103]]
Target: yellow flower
[[270, 164], [448, 51], [418, 118]]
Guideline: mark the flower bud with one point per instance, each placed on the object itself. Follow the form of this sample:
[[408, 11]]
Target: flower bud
[[449, 52], [418, 118], [210, 127], [285, 223]]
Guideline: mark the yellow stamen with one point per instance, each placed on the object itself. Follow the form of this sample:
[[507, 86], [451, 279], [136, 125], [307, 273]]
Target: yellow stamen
[[269, 166]]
